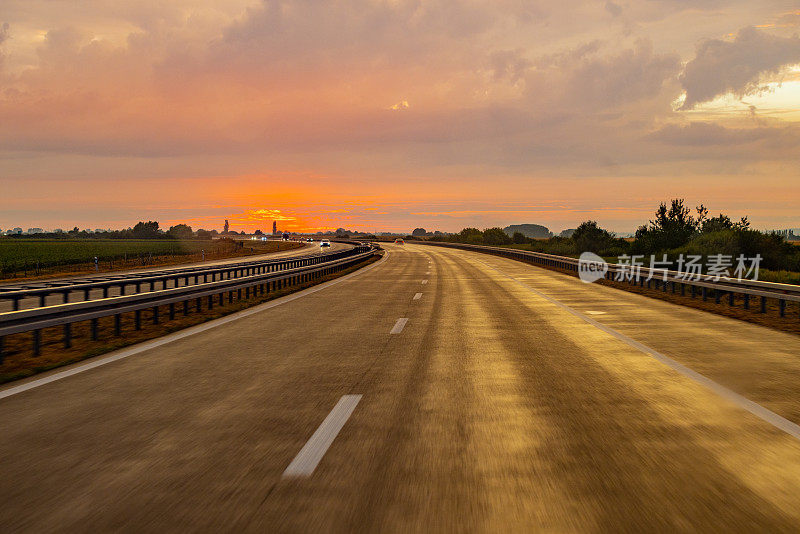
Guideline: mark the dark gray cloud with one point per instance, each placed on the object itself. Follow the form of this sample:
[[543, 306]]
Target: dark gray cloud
[[632, 74], [736, 66], [709, 134]]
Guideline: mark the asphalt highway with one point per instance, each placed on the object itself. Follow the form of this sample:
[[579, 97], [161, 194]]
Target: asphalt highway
[[434, 391]]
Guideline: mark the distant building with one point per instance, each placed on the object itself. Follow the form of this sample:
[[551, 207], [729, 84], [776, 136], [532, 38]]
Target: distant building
[[787, 234], [274, 227], [226, 227], [33, 231], [58, 231]]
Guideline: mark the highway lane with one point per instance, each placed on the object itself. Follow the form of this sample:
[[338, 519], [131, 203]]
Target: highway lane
[[7, 305], [491, 408]]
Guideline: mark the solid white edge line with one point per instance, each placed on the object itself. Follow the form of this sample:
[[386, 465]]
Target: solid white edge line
[[759, 411], [399, 325], [192, 330], [315, 448], [417, 296]]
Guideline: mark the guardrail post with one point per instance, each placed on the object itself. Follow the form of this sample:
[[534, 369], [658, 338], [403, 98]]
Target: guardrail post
[[731, 299], [137, 319], [117, 324], [247, 292], [171, 311], [782, 307], [155, 314], [763, 304], [105, 292], [67, 335], [746, 301], [186, 307], [86, 294], [2, 354], [42, 300], [230, 297], [705, 293], [222, 299], [198, 304], [239, 294], [37, 342], [65, 296], [138, 287], [211, 302], [717, 295], [94, 329], [694, 291]]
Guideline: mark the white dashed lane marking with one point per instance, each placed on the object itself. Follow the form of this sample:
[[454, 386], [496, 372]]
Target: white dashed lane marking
[[399, 325], [315, 448]]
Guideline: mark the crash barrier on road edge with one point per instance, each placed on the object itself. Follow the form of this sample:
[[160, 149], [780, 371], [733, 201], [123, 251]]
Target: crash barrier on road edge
[[665, 280], [189, 275], [261, 283]]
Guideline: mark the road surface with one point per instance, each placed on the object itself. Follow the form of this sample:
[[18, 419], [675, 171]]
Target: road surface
[[436, 390]]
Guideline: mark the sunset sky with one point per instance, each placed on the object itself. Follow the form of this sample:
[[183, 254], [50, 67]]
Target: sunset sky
[[388, 115]]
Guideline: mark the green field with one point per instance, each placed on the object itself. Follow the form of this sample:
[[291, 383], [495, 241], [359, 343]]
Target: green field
[[31, 257]]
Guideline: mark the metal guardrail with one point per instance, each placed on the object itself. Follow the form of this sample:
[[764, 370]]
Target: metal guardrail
[[163, 277], [663, 279], [265, 281]]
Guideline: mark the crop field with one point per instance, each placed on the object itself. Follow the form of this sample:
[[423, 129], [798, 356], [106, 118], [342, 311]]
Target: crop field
[[33, 258]]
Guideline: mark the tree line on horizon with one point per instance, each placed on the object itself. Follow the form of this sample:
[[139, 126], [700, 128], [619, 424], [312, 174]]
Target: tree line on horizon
[[674, 230]]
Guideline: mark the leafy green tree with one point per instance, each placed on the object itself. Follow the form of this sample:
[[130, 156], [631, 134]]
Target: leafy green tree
[[496, 236], [589, 237], [145, 230], [180, 231], [472, 236], [519, 238], [419, 232], [719, 223], [672, 227]]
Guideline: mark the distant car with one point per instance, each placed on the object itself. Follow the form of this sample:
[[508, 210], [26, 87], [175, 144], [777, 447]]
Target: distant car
[[324, 243], [399, 241], [309, 240]]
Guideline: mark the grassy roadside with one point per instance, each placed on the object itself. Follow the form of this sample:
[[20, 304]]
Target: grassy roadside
[[19, 361]]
